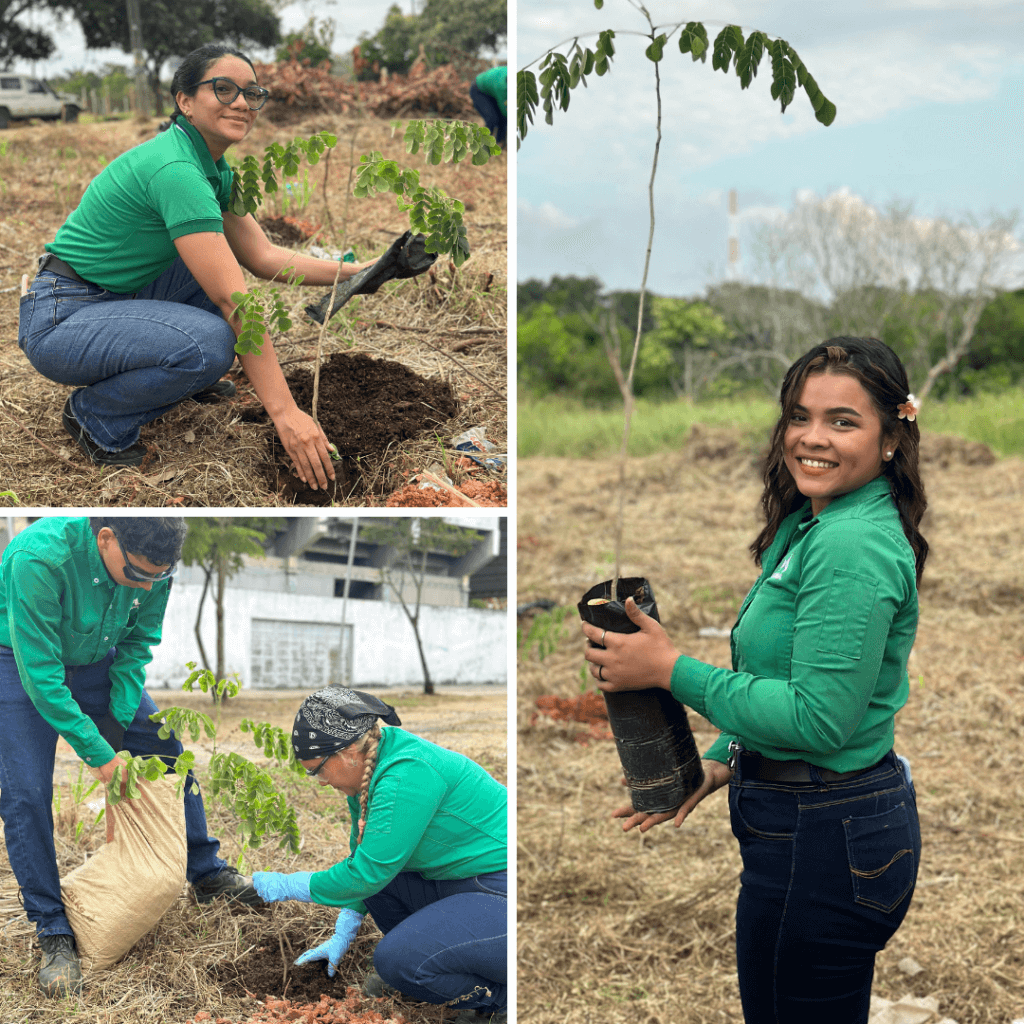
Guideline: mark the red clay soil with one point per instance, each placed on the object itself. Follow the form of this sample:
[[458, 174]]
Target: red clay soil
[[589, 708], [482, 492], [353, 1008]]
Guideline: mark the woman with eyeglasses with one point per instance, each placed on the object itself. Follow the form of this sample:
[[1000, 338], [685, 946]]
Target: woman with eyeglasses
[[82, 604], [132, 303], [428, 857]]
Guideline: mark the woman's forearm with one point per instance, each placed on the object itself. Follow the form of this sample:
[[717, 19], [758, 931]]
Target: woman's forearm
[[267, 378], [285, 265]]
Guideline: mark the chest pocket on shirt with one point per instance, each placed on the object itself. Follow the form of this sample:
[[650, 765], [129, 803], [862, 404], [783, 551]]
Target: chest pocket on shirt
[[851, 599]]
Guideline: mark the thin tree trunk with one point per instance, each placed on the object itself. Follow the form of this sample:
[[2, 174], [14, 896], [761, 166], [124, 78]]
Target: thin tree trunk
[[199, 616], [221, 578]]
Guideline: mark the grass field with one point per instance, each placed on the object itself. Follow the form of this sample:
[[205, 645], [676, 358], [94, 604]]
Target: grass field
[[560, 427], [631, 929]]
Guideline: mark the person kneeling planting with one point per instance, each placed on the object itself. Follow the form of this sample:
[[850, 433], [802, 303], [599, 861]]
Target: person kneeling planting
[[81, 605], [428, 857]]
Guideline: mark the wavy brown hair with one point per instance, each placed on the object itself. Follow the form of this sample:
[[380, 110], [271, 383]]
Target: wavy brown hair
[[879, 371]]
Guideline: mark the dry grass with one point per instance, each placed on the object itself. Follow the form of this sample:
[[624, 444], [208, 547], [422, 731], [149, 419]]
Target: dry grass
[[641, 929], [178, 969], [449, 325]]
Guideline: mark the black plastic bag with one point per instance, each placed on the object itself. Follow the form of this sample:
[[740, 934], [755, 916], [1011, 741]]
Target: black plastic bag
[[656, 747], [406, 257]]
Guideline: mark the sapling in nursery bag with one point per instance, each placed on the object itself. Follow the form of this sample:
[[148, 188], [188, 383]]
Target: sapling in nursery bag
[[656, 747], [121, 892]]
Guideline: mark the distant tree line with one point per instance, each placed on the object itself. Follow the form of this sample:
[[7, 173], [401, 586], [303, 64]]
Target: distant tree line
[[928, 288]]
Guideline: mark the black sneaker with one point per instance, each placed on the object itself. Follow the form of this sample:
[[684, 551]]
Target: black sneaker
[[61, 972], [215, 392], [129, 457], [227, 884]]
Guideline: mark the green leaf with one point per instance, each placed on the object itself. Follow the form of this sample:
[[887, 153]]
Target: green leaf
[[599, 4], [749, 57], [694, 40], [656, 49]]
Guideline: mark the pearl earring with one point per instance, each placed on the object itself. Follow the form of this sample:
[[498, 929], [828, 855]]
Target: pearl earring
[[888, 455]]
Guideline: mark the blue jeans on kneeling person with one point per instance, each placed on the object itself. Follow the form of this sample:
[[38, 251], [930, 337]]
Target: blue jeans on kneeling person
[[444, 941], [134, 356]]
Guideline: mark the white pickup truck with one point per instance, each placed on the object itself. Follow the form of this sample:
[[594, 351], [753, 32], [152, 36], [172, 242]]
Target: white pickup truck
[[21, 96]]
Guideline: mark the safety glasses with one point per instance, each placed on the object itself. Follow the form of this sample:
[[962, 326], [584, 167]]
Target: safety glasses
[[314, 772], [227, 92], [137, 575]]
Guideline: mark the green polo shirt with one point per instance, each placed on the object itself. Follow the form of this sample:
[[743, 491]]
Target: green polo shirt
[[820, 647], [430, 810], [121, 235], [494, 83], [60, 608]]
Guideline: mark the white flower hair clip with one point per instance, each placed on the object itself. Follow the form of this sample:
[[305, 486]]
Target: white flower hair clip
[[909, 409]]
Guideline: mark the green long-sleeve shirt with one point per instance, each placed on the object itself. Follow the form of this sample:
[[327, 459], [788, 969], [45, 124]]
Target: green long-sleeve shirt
[[494, 83], [59, 608], [820, 646], [430, 810]]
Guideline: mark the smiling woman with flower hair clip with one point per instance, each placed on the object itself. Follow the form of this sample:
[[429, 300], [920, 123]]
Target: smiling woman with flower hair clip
[[824, 810]]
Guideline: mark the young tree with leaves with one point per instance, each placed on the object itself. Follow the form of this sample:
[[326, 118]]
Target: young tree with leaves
[[219, 547], [408, 544]]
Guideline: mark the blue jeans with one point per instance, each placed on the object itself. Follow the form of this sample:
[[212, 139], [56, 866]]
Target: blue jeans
[[27, 748], [444, 941], [134, 357], [828, 874], [487, 107]]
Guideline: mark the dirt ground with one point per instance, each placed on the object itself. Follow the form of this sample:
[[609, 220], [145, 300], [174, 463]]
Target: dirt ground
[[447, 327], [235, 964], [628, 928]]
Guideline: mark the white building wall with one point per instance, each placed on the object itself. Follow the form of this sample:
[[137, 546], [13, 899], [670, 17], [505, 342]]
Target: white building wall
[[462, 645]]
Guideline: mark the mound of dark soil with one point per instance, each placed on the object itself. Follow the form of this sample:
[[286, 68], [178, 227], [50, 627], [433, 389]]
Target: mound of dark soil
[[366, 404]]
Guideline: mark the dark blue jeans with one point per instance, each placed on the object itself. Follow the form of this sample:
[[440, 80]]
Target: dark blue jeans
[[487, 107], [28, 745], [134, 357], [445, 941], [828, 874]]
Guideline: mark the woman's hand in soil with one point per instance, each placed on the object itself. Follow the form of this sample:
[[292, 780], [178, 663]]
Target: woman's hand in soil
[[307, 446], [716, 775], [631, 661], [334, 948]]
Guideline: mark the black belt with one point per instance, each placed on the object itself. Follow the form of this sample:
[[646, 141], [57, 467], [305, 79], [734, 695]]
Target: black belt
[[767, 769], [57, 266]]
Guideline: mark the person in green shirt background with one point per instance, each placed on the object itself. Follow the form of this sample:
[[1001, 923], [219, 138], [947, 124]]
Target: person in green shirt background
[[489, 94], [132, 303], [81, 607], [824, 810], [428, 857]]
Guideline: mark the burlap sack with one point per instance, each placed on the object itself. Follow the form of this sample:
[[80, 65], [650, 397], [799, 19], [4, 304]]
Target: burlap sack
[[121, 892]]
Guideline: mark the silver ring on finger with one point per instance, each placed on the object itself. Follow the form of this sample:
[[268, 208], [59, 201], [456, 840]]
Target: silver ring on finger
[[600, 673], [604, 633]]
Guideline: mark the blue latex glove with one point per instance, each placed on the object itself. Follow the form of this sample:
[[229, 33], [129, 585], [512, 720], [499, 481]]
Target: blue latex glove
[[274, 885], [334, 948]]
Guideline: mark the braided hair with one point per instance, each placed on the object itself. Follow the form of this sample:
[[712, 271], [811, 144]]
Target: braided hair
[[367, 745]]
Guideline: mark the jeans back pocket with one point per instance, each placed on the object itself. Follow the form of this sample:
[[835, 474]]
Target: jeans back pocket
[[880, 848]]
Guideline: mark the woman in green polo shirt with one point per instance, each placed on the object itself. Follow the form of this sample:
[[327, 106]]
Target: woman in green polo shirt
[[133, 303], [824, 811], [428, 857]]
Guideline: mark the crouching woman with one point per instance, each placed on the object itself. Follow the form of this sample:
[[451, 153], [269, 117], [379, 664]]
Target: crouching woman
[[428, 856]]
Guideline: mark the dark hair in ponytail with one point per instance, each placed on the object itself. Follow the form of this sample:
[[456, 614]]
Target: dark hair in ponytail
[[879, 371], [192, 71]]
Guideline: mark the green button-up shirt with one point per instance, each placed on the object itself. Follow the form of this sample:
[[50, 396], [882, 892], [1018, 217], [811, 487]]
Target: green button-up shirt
[[820, 646], [59, 608], [430, 810]]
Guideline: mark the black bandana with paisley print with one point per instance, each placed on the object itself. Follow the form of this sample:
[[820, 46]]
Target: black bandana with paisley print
[[335, 717]]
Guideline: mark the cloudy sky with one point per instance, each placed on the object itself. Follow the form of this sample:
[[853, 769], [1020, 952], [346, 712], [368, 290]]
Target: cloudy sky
[[929, 110], [350, 20]]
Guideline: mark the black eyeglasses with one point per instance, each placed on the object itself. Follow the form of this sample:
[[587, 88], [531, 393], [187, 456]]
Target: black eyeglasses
[[227, 92], [313, 772], [137, 575]]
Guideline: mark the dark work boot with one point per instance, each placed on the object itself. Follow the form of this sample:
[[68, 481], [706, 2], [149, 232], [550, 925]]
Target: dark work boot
[[132, 456], [375, 987], [479, 1017], [215, 392], [227, 884], [61, 972]]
